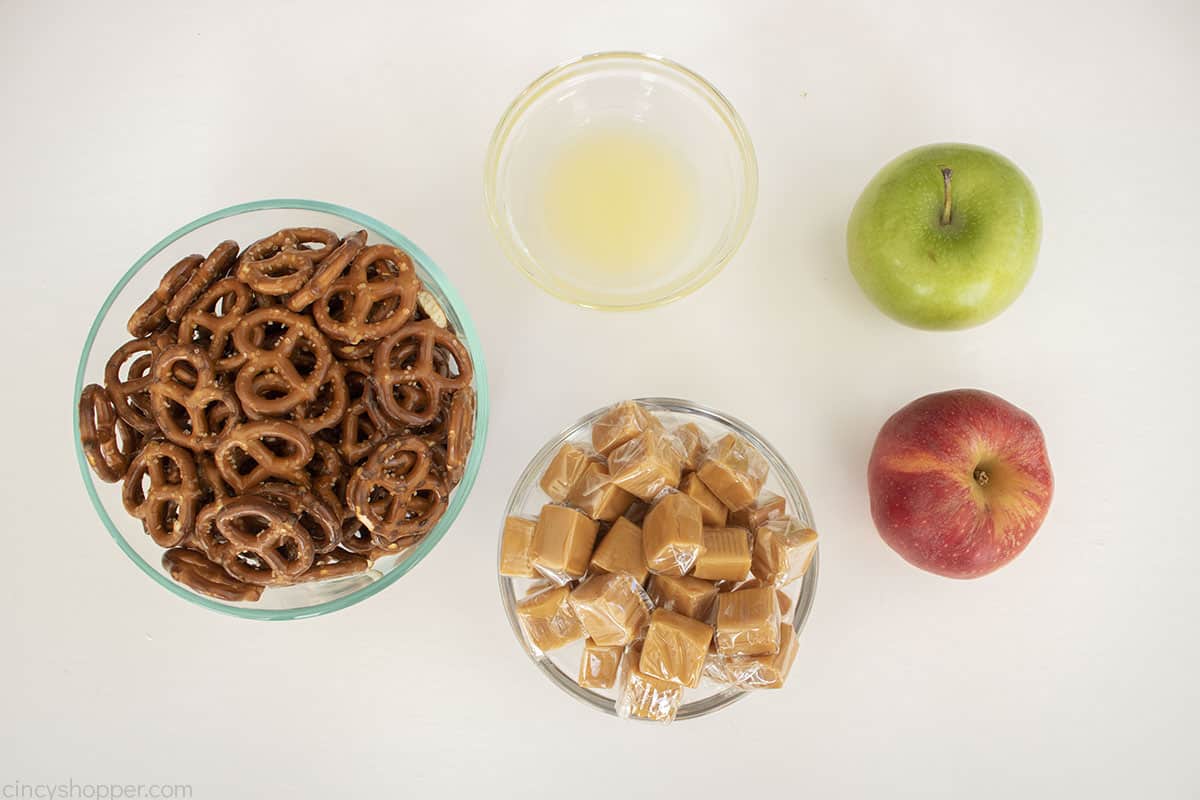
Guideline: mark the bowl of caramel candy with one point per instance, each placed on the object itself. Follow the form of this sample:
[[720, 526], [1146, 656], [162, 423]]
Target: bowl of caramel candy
[[658, 561]]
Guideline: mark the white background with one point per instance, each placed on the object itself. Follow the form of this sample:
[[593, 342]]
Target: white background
[[1072, 672]]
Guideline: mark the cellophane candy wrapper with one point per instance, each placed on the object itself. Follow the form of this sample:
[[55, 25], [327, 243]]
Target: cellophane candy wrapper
[[647, 464], [640, 696], [755, 672], [548, 621], [613, 608], [619, 424], [783, 551]]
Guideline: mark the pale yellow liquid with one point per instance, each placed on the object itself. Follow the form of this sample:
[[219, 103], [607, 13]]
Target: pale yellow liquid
[[620, 205]]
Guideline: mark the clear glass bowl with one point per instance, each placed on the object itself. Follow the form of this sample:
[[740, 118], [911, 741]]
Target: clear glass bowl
[[245, 223], [562, 666], [666, 101]]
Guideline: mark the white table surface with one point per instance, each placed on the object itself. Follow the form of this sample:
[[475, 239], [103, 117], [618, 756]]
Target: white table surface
[[1071, 671]]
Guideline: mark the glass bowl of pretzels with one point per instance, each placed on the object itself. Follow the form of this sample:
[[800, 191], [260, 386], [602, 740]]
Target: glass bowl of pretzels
[[282, 408]]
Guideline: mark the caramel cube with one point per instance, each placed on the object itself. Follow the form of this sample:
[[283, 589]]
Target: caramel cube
[[612, 608], [766, 507], [621, 551], [694, 443], [686, 595], [647, 464], [599, 666], [515, 544], [724, 555], [641, 696], [671, 535], [675, 648], [548, 621], [563, 541], [597, 496], [619, 424], [712, 511], [783, 551], [748, 622], [762, 672], [734, 471], [564, 471]]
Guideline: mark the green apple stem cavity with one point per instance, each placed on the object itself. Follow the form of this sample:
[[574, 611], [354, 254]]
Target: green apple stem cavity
[[948, 201]]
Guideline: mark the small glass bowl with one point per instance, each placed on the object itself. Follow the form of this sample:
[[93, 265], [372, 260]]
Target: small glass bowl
[[562, 666], [667, 101], [246, 223]]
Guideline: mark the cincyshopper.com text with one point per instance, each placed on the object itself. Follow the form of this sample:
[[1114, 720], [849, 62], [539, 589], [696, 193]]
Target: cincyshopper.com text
[[19, 790]]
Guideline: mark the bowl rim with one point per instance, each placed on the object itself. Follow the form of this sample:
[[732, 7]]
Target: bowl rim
[[791, 484], [458, 496], [713, 266]]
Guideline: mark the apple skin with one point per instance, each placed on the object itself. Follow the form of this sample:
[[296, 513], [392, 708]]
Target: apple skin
[[945, 276], [929, 502]]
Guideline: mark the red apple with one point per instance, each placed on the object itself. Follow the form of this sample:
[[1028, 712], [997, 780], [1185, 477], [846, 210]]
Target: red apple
[[959, 482]]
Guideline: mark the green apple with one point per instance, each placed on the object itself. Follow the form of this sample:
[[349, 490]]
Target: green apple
[[945, 236]]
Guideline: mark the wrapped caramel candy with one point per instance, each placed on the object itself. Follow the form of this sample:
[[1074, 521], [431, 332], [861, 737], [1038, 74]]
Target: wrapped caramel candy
[[641, 696], [597, 496], [562, 542], [767, 506], [734, 471], [564, 471], [619, 424], [756, 672], [516, 544], [783, 551], [675, 648], [724, 555], [694, 443], [686, 595], [547, 619], [748, 622], [599, 666], [647, 464], [621, 551], [712, 511], [612, 607], [671, 534]]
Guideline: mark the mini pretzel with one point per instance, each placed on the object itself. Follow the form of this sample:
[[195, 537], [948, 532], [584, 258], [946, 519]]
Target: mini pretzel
[[151, 315], [211, 319], [168, 509], [196, 571], [363, 427], [336, 564], [131, 395], [376, 297], [398, 363], [266, 543], [190, 412], [280, 351], [322, 523], [282, 263], [392, 517], [330, 269], [460, 433], [382, 491], [108, 442], [324, 411], [215, 266], [245, 460]]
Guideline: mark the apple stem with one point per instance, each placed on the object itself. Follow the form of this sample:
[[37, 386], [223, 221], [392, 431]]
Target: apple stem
[[981, 476], [947, 205]]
